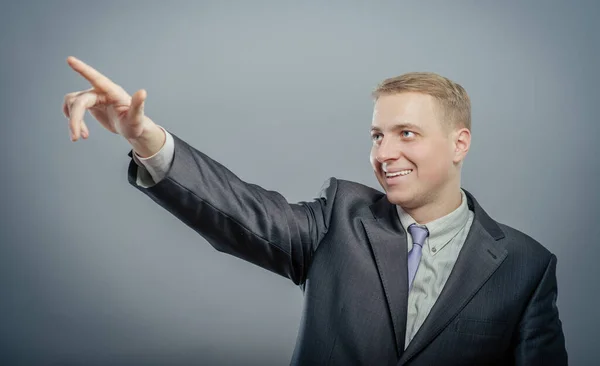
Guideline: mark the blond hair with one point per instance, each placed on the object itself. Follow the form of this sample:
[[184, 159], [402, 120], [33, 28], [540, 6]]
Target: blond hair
[[451, 97]]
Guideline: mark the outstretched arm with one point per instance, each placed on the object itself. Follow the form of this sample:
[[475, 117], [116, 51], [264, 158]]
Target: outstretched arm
[[236, 217], [239, 218]]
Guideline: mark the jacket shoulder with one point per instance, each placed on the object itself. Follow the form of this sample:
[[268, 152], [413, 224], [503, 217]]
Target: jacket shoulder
[[348, 195], [525, 247]]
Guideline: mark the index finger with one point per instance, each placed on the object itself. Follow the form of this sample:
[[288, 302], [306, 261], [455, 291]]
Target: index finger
[[95, 78]]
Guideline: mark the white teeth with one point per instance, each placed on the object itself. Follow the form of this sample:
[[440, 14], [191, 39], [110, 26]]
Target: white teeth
[[402, 172]]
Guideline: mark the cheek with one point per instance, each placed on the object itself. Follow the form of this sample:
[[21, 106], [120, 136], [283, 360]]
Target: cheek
[[433, 163]]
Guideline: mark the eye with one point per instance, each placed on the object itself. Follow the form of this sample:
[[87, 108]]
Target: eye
[[407, 134], [375, 137]]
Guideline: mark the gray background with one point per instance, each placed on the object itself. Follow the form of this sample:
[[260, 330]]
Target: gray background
[[93, 272]]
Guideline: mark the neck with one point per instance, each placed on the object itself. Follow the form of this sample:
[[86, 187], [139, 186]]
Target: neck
[[436, 208]]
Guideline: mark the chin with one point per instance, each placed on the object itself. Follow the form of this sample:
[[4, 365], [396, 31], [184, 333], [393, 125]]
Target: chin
[[400, 197], [400, 201]]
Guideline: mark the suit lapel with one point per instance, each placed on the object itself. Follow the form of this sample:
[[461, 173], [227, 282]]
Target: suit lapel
[[388, 242], [479, 258]]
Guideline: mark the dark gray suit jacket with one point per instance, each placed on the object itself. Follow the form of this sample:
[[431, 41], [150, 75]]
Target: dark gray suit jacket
[[347, 251]]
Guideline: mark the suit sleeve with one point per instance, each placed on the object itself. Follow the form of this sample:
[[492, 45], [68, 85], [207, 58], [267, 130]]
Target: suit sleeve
[[540, 339], [239, 218]]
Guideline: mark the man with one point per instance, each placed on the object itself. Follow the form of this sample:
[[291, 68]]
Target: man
[[420, 275]]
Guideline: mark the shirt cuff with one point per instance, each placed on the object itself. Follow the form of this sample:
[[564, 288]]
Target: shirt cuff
[[158, 164]]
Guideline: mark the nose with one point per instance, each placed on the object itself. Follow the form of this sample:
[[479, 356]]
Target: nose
[[387, 150]]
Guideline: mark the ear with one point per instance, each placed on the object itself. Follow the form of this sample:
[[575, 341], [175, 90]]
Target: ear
[[462, 143]]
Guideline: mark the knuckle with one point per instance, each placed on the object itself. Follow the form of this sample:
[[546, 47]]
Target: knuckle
[[78, 102]]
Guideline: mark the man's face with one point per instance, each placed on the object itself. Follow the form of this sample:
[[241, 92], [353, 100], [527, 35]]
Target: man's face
[[413, 153]]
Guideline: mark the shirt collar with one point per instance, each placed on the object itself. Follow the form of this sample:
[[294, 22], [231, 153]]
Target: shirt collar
[[442, 230]]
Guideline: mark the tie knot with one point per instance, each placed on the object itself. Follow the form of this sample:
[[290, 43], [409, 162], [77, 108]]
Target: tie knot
[[418, 233]]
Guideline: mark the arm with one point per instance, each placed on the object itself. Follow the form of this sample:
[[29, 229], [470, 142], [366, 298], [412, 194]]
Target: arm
[[240, 218], [540, 339]]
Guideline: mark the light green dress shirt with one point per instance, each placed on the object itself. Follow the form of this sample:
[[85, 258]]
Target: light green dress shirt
[[440, 251]]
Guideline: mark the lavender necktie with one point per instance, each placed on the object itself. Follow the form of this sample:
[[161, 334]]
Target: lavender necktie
[[414, 256]]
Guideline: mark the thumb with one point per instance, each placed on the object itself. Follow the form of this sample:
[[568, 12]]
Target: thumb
[[136, 111]]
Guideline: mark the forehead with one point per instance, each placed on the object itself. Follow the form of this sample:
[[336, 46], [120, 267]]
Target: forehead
[[409, 107]]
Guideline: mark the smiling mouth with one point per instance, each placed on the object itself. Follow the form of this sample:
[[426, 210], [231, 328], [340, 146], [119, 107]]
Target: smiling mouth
[[401, 173]]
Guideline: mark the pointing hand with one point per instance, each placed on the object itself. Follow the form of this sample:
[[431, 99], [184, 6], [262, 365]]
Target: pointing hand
[[109, 103]]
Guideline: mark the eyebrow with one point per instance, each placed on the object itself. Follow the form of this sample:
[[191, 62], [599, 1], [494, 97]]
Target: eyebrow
[[399, 126]]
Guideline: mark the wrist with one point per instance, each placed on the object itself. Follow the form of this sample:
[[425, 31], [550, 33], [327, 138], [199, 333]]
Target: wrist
[[150, 141]]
